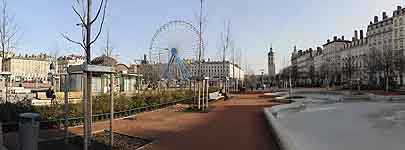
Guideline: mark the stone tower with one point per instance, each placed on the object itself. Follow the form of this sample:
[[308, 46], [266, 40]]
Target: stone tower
[[271, 66]]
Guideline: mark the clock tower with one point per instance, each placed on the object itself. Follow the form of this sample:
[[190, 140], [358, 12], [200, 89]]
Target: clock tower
[[270, 64]]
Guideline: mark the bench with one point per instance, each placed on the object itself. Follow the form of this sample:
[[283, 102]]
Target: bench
[[215, 96], [41, 96], [41, 99], [59, 95], [71, 95]]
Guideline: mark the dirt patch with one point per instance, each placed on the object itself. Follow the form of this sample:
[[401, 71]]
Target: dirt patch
[[101, 142]]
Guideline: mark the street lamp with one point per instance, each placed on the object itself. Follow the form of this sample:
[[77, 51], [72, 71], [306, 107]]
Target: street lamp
[[6, 76], [262, 78]]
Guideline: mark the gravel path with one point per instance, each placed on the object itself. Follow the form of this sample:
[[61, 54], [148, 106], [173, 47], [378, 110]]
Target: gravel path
[[238, 124]]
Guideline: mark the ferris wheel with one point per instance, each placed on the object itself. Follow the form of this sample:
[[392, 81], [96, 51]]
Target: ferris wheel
[[173, 48]]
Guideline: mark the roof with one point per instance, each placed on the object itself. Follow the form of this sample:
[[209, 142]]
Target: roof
[[71, 57], [339, 40], [104, 61]]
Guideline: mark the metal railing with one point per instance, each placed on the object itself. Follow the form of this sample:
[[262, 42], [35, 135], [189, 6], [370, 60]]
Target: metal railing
[[76, 121]]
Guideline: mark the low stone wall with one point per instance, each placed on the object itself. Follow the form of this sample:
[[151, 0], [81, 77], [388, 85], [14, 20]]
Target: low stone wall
[[285, 136], [284, 141]]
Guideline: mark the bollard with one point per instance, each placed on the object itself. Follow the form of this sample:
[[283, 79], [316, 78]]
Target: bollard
[[28, 131]]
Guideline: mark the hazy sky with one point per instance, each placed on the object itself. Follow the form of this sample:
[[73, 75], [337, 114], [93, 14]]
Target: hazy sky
[[255, 24]]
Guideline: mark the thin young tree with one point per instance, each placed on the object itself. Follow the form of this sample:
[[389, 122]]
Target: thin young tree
[[83, 10], [109, 48], [8, 31], [202, 19], [8, 38], [238, 63], [226, 44], [233, 68]]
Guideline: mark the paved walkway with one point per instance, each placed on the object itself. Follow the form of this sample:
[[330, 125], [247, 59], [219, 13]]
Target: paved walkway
[[236, 124]]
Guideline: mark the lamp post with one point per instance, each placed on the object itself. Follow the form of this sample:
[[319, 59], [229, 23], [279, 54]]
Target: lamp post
[[262, 78], [6, 76], [66, 106]]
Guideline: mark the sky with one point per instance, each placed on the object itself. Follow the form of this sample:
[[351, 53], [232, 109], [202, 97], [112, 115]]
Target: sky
[[255, 25]]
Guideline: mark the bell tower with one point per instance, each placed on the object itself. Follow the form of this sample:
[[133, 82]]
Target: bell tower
[[270, 62]]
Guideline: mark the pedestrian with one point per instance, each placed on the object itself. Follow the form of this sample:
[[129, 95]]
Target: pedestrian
[[50, 93]]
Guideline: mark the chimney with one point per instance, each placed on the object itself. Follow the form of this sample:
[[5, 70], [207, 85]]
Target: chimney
[[335, 38], [343, 38], [361, 34], [399, 8], [384, 15], [375, 19], [327, 41], [356, 35]]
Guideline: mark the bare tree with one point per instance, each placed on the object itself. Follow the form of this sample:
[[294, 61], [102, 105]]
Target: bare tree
[[372, 65], [332, 75], [400, 63], [311, 73], [381, 61], [8, 31], [322, 72], [251, 81], [388, 66], [108, 50], [201, 22], [87, 21], [348, 67], [226, 44]]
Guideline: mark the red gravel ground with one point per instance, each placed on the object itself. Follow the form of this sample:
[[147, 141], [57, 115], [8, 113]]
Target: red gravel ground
[[236, 124]]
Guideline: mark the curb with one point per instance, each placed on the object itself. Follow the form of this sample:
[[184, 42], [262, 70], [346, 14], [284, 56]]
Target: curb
[[283, 140]]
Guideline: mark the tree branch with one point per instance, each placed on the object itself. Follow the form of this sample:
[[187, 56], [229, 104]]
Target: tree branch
[[98, 11], [70, 40], [80, 16], [101, 24]]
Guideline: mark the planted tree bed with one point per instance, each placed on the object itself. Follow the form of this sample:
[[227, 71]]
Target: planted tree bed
[[101, 142]]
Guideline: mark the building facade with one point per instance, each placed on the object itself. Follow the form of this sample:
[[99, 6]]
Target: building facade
[[65, 61], [28, 67], [303, 62], [364, 59], [215, 70], [353, 63]]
